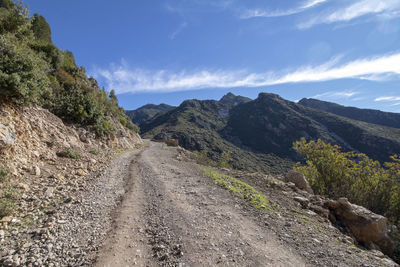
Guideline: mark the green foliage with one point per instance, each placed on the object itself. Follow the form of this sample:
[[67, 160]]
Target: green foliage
[[347, 174], [69, 153], [23, 74], [204, 157], [3, 174], [8, 198], [239, 188], [94, 152], [13, 17], [41, 28], [35, 71]]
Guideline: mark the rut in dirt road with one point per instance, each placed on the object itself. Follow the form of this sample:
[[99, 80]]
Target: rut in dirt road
[[172, 215]]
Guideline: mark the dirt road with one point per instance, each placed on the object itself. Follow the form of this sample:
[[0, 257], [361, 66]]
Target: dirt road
[[172, 215]]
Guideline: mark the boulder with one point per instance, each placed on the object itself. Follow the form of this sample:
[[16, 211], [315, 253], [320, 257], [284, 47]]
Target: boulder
[[7, 135], [366, 226], [299, 180]]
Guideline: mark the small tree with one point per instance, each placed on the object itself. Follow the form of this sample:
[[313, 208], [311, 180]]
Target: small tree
[[41, 28]]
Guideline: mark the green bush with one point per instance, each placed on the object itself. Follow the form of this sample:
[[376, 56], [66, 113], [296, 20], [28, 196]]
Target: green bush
[[34, 71], [69, 153], [204, 157], [94, 152], [23, 75], [363, 181], [41, 28], [8, 198], [3, 174]]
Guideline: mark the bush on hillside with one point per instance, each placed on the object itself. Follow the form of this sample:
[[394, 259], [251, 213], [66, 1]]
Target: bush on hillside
[[363, 181], [41, 28], [34, 71]]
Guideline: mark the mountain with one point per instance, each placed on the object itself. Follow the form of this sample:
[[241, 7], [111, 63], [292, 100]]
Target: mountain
[[146, 112], [366, 115], [198, 125], [272, 124], [260, 133], [233, 100]]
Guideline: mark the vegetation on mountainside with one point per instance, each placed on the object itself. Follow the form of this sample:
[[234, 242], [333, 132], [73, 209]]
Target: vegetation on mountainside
[[367, 115], [271, 124], [34, 71], [198, 125], [363, 181], [8, 195], [69, 153], [147, 112], [239, 188]]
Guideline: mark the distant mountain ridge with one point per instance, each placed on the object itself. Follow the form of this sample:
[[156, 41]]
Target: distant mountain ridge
[[367, 115], [260, 132], [147, 112], [233, 100]]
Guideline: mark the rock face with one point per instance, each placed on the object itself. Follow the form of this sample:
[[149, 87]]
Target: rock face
[[366, 226], [7, 135], [299, 180]]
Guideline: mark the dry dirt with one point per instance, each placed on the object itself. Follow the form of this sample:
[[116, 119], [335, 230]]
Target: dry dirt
[[172, 215]]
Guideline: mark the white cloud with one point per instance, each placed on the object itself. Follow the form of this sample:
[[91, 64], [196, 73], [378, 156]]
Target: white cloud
[[387, 98], [355, 10], [124, 79], [180, 28], [253, 13], [336, 95]]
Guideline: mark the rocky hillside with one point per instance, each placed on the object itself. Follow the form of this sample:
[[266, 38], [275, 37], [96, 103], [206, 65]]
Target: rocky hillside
[[233, 100], [147, 112], [198, 125], [56, 124], [266, 127], [367, 115], [272, 124]]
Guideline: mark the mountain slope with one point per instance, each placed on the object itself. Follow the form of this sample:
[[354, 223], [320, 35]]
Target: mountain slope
[[147, 112], [272, 124], [233, 100], [198, 125], [366, 115], [266, 127]]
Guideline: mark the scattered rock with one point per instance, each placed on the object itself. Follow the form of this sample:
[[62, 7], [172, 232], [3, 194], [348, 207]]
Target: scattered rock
[[7, 135], [81, 172], [299, 180], [36, 171], [303, 201], [363, 224], [7, 219]]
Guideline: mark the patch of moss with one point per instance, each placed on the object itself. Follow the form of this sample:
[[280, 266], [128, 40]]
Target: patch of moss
[[239, 188], [69, 153]]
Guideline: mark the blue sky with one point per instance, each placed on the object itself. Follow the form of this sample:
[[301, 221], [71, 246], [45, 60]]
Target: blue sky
[[345, 51]]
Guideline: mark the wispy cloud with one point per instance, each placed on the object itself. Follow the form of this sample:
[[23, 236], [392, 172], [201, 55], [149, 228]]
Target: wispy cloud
[[355, 10], [124, 79], [387, 98], [180, 28], [336, 95], [258, 12]]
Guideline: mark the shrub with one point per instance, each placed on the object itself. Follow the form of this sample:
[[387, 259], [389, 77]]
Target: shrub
[[94, 152], [69, 153], [204, 157], [363, 181], [8, 198], [3, 174], [41, 28], [172, 142], [23, 75]]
